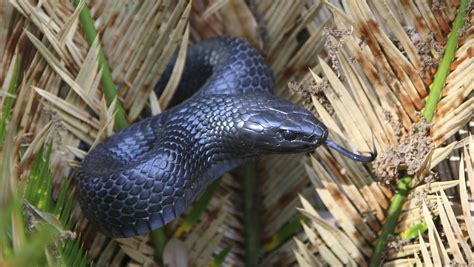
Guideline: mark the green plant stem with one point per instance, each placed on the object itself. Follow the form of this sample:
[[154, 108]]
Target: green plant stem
[[428, 114], [250, 217], [391, 220], [443, 68], [108, 86], [158, 238], [110, 93]]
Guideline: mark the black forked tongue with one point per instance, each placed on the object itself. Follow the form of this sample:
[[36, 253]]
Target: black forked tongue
[[347, 153]]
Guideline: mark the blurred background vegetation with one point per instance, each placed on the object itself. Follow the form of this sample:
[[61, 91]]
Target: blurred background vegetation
[[365, 68]]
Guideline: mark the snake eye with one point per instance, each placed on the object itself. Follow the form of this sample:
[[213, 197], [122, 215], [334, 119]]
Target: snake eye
[[288, 135]]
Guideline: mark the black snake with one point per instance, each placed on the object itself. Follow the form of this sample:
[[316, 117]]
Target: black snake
[[143, 177]]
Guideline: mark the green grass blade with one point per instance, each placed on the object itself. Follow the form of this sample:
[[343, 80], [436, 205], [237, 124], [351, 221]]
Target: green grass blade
[[46, 182], [158, 238], [287, 231], [64, 204], [198, 209], [61, 199], [9, 100], [39, 194], [414, 231], [218, 260], [32, 251]]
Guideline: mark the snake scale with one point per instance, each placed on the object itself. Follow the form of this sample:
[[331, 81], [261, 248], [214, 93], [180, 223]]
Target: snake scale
[[224, 114]]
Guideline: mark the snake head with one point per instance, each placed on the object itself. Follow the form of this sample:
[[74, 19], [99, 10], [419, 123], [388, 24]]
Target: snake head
[[281, 127]]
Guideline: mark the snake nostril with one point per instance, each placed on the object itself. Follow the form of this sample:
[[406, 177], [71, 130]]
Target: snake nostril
[[318, 138]]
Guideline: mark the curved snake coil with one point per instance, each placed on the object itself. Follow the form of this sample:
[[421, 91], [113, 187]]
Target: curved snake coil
[[143, 177]]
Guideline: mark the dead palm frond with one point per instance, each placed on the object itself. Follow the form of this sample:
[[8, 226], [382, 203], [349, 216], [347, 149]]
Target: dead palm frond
[[397, 89], [363, 67]]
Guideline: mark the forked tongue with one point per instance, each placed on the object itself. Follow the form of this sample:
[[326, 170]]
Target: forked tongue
[[347, 153]]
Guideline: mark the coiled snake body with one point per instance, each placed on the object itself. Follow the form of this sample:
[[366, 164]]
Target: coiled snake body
[[143, 177]]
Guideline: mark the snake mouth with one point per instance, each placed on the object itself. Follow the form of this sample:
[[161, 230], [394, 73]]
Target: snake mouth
[[357, 157]]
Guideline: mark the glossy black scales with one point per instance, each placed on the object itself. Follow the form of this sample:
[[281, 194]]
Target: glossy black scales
[[148, 174]]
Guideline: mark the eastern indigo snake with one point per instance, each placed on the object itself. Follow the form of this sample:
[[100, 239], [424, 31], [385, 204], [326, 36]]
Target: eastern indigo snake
[[143, 177]]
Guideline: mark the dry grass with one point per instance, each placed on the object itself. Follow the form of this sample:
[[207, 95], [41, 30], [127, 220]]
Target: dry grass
[[364, 68]]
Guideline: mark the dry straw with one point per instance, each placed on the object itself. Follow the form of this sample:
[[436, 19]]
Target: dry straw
[[364, 67]]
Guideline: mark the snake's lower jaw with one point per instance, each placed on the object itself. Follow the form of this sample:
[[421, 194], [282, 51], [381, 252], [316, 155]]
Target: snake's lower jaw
[[295, 148]]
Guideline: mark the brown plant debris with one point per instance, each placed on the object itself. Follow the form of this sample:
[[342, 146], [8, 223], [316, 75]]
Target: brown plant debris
[[395, 243], [396, 124], [334, 41], [309, 88], [420, 197], [467, 20], [398, 44], [407, 156], [438, 5], [429, 50], [431, 177], [59, 129]]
